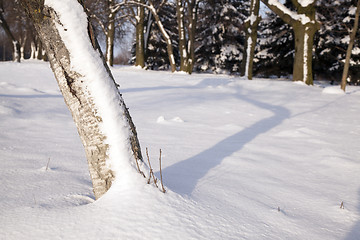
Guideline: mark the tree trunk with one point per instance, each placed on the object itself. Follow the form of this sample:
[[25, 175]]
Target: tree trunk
[[140, 48], [251, 26], [103, 122], [192, 12], [350, 47], [110, 41], [182, 37], [304, 40], [110, 34]]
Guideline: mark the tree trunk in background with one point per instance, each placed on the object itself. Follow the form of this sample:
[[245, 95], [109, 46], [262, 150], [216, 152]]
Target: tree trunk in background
[[251, 25], [80, 97], [304, 41], [192, 13], [140, 45], [110, 34], [305, 26], [350, 47], [182, 38], [5, 26]]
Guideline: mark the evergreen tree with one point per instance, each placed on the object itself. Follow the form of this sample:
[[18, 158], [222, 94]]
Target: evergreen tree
[[156, 51], [337, 19], [275, 50], [220, 35]]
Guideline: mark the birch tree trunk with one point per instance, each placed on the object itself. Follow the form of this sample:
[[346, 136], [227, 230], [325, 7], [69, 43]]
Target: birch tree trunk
[[251, 25], [350, 47], [110, 153], [305, 26]]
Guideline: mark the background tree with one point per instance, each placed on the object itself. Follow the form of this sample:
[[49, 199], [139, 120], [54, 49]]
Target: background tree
[[305, 25], [220, 38], [350, 47], [337, 19]]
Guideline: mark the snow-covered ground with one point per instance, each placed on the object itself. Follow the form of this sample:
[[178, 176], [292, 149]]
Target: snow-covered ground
[[261, 159]]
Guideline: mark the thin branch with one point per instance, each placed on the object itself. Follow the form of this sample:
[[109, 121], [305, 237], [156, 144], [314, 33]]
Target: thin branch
[[161, 179]]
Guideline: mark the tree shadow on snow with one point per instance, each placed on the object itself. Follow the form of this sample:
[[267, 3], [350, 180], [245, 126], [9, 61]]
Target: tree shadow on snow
[[183, 176], [355, 231]]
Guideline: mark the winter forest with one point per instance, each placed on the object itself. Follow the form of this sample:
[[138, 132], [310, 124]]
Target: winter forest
[[203, 36], [198, 151]]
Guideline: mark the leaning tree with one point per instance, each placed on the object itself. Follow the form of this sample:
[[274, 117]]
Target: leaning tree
[[90, 92]]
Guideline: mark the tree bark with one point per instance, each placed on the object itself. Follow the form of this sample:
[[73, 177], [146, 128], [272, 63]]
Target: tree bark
[[140, 47], [350, 47], [110, 34], [82, 100], [251, 26]]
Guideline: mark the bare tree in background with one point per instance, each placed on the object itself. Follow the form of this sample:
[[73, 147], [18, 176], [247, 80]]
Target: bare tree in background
[[305, 26]]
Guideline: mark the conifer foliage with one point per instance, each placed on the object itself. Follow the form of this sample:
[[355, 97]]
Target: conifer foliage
[[337, 19], [220, 35], [275, 49]]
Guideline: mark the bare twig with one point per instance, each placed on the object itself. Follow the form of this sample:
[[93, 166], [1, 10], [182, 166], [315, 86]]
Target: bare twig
[[34, 199], [342, 205], [161, 180], [151, 171], [138, 167], [47, 165]]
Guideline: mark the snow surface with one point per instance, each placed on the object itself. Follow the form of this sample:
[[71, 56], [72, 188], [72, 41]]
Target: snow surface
[[260, 159]]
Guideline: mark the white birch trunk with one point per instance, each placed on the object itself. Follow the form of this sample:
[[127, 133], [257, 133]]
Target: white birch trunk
[[102, 119]]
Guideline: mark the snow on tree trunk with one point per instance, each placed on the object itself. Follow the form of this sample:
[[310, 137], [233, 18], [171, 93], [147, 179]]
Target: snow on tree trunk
[[251, 25], [350, 47], [305, 26], [102, 119], [110, 36], [304, 39]]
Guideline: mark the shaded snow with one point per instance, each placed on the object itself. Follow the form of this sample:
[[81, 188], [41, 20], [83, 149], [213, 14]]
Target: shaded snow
[[259, 159]]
